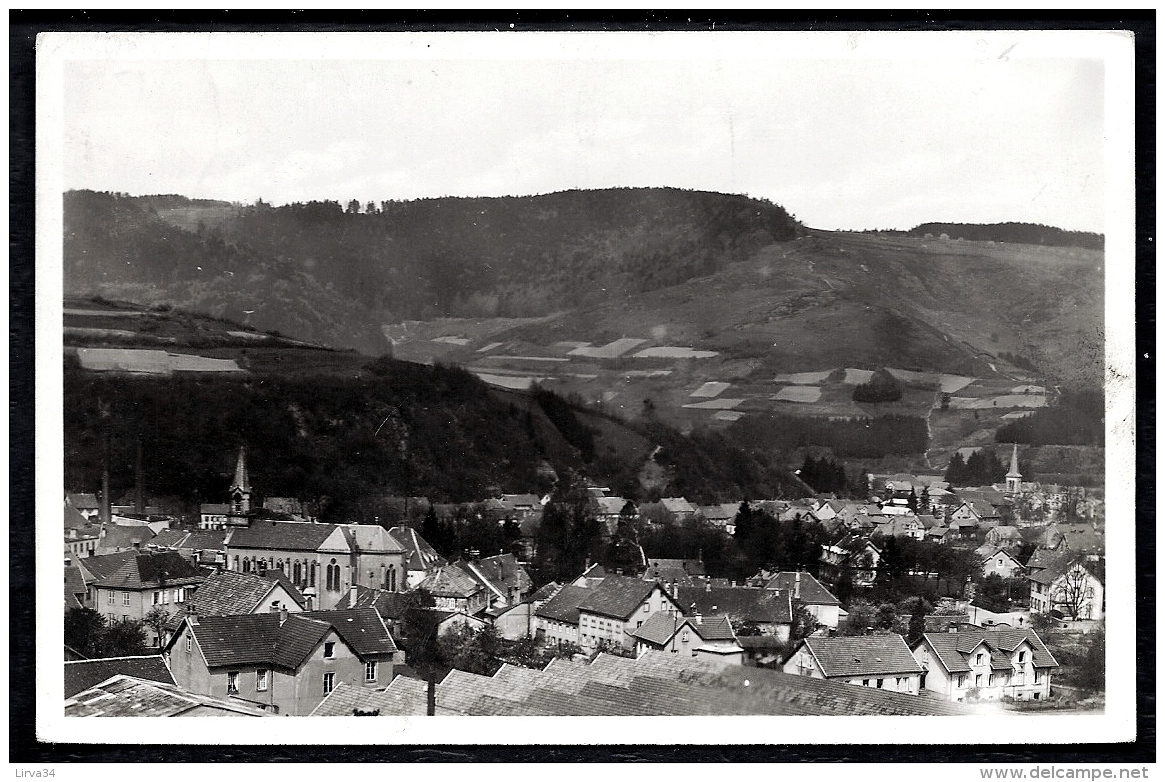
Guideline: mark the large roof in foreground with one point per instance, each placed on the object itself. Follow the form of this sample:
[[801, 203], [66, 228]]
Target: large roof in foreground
[[656, 684]]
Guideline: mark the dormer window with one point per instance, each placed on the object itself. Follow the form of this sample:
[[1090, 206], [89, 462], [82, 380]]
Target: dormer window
[[1022, 657], [979, 659], [329, 649]]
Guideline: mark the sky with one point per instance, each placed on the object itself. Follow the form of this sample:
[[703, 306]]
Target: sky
[[845, 131]]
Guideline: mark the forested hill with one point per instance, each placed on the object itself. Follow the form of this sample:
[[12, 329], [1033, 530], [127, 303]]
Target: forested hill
[[1015, 233], [326, 271], [395, 428]]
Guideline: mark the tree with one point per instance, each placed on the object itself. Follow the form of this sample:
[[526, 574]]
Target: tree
[[845, 583], [804, 622], [156, 620], [861, 617], [887, 615], [956, 470], [431, 529], [1074, 591], [917, 622], [569, 533], [83, 631], [125, 638]]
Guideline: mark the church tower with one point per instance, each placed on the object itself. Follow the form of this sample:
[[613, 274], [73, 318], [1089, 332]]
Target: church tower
[[240, 492], [1014, 479]]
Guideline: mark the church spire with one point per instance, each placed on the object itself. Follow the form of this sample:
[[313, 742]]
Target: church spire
[[241, 487], [1014, 478]]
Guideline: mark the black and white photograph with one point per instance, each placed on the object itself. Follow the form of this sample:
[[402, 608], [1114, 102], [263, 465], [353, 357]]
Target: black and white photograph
[[734, 375]]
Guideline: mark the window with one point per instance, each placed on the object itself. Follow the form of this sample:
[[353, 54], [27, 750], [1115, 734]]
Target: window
[[180, 595], [646, 608], [979, 659], [880, 683], [333, 577], [1036, 677], [189, 642], [329, 682], [1035, 696], [232, 683], [370, 671], [991, 680], [261, 680], [236, 567], [978, 680], [329, 649], [1022, 656], [638, 625], [865, 682], [296, 573], [1019, 677], [962, 681], [125, 598], [125, 617], [246, 565], [313, 575], [157, 597], [112, 597], [166, 596]]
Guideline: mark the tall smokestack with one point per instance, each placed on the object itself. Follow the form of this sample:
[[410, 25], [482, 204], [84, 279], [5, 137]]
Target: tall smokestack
[[139, 496], [797, 585]]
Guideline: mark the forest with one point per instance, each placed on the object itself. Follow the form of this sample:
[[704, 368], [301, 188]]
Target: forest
[[1018, 233], [345, 443]]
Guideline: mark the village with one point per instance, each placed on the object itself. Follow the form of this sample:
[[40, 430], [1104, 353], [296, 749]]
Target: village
[[920, 598]]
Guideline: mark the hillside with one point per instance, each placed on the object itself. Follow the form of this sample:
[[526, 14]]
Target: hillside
[[327, 274], [337, 429]]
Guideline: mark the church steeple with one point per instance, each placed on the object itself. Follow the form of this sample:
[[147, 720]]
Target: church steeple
[[1013, 477], [240, 490]]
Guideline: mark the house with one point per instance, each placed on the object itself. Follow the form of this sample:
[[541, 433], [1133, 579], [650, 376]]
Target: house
[[766, 611], [883, 662], [213, 515], [227, 593], [618, 605], [421, 559], [132, 696], [115, 538], [903, 525], [710, 637], [1080, 538], [507, 581], [85, 504], [761, 651], [1003, 536], [141, 582], [802, 586], [722, 516], [688, 572], [1000, 563], [853, 552], [80, 675], [282, 661], [81, 534], [205, 547], [592, 576], [986, 664], [527, 532], [612, 510], [678, 508], [1071, 585], [455, 590], [75, 589], [970, 515], [557, 620], [322, 560]]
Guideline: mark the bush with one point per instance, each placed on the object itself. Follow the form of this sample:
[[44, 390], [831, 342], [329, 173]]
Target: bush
[[882, 387]]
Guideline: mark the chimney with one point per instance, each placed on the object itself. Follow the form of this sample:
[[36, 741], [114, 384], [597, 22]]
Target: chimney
[[675, 590], [952, 627], [708, 585], [282, 615], [797, 586], [191, 615], [352, 597]]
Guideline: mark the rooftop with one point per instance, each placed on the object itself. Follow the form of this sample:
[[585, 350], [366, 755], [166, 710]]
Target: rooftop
[[863, 655], [129, 696], [83, 674]]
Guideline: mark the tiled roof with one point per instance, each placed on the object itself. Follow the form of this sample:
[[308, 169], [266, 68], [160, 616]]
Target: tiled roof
[[450, 581], [361, 628], [129, 696], [611, 506], [617, 596], [390, 605], [257, 639], [419, 555], [228, 592], [370, 538], [813, 592], [1042, 558], [74, 519], [953, 649], [1056, 568], [83, 501], [214, 509], [103, 565], [74, 585], [712, 628], [564, 606], [677, 505], [658, 629], [863, 655], [545, 592], [502, 572], [119, 537], [83, 674], [656, 684], [283, 535], [153, 569], [745, 604]]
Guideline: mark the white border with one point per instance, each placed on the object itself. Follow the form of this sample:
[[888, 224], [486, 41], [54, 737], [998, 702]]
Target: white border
[[1115, 48]]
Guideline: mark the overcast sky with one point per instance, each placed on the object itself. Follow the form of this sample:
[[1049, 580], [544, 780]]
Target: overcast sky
[[844, 133]]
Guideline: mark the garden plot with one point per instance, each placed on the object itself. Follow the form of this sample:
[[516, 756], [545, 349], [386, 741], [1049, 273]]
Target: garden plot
[[459, 341], [715, 404], [489, 347], [728, 415], [1016, 415], [949, 384], [517, 382], [79, 331], [664, 351], [150, 362], [524, 358], [855, 377], [248, 335], [906, 376], [711, 389], [798, 394], [805, 378], [1005, 400], [610, 350], [647, 373], [1028, 390]]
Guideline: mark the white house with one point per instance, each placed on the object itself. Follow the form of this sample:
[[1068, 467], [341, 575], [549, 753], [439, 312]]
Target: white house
[[883, 662], [986, 665]]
